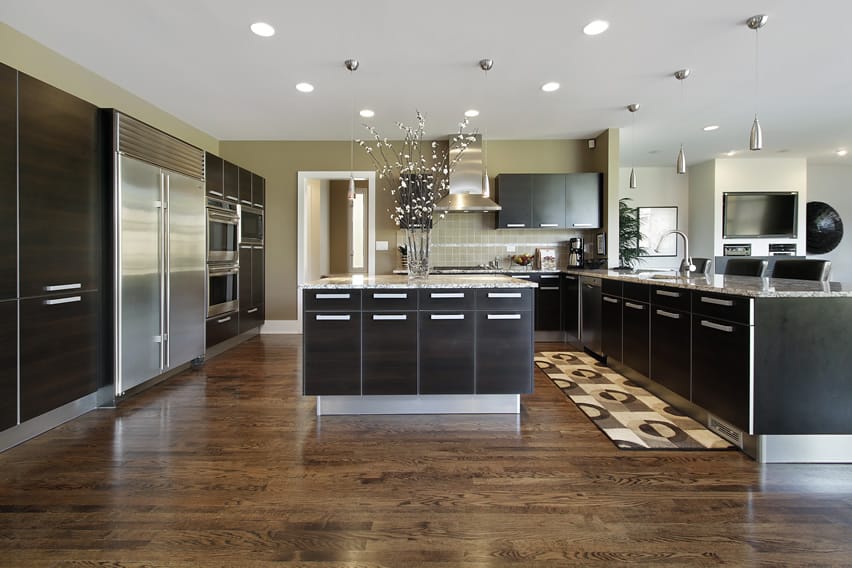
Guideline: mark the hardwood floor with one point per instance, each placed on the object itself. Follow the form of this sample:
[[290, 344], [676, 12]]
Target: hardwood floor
[[229, 466]]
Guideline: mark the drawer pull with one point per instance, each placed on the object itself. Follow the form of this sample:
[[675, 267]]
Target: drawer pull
[[321, 317], [634, 306], [582, 225], [522, 276], [246, 201], [332, 296], [546, 276], [610, 300], [247, 247], [670, 315], [567, 277], [60, 287], [232, 198], [549, 288], [211, 192], [717, 301], [515, 225], [504, 294], [67, 300], [446, 316], [548, 225], [251, 311], [717, 326], [668, 293], [445, 295], [386, 296], [258, 205], [258, 247], [390, 317], [224, 320], [504, 316]]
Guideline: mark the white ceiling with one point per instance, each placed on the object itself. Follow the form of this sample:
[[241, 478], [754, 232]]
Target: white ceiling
[[197, 60]]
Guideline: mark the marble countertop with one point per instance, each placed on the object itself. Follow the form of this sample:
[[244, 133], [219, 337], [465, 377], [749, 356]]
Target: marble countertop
[[735, 285], [472, 270], [431, 281]]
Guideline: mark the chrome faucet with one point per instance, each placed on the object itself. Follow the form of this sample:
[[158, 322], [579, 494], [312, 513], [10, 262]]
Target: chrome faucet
[[686, 265]]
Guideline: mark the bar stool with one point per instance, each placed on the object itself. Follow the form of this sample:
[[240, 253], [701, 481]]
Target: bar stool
[[702, 265], [802, 269], [745, 267]]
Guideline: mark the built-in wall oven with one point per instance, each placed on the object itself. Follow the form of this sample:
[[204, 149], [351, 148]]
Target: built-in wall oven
[[251, 225], [222, 289], [223, 222]]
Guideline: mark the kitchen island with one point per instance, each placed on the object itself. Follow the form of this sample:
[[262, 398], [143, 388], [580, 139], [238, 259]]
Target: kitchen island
[[441, 344], [764, 362]]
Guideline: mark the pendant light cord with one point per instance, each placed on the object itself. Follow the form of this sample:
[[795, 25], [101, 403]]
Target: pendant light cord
[[756, 68]]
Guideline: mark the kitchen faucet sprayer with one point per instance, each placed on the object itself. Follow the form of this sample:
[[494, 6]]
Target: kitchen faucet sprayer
[[686, 265]]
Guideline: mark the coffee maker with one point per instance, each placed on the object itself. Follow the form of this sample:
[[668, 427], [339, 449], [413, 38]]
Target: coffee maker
[[575, 252]]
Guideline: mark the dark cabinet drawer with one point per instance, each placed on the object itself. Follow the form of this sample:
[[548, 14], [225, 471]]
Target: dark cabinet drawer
[[670, 349], [611, 287], [332, 299], [505, 299], [446, 357], [571, 306], [221, 328], [635, 291], [390, 299], [611, 326], [446, 299], [8, 364], [675, 298], [504, 349], [635, 345], [332, 353], [722, 306], [251, 317], [390, 353], [60, 351], [548, 316]]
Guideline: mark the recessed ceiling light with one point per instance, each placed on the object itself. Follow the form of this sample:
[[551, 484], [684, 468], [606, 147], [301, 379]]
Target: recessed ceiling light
[[730, 152], [471, 113], [596, 27], [550, 87], [263, 29], [304, 87], [711, 127], [842, 152], [367, 113]]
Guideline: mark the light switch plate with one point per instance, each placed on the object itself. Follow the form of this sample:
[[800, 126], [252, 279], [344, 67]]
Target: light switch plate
[[381, 245]]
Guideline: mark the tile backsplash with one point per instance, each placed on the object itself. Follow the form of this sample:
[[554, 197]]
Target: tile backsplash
[[468, 239]]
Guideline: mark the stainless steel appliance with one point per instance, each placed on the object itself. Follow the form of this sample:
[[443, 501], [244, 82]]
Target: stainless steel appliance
[[575, 252], [222, 289], [251, 225], [159, 250], [590, 315], [223, 222]]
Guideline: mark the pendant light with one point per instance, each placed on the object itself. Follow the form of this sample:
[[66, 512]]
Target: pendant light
[[755, 139], [680, 164], [352, 66], [485, 65], [633, 108]]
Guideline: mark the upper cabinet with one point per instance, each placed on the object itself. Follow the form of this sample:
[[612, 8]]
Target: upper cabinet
[[214, 173], [258, 191], [245, 187], [231, 181], [8, 183], [550, 201]]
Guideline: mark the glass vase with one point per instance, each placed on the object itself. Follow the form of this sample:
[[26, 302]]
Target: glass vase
[[418, 240]]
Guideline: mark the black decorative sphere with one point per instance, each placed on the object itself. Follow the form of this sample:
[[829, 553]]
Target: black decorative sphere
[[825, 229]]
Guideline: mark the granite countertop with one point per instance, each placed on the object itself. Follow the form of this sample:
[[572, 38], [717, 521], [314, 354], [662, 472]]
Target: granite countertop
[[473, 270], [432, 281], [735, 285]]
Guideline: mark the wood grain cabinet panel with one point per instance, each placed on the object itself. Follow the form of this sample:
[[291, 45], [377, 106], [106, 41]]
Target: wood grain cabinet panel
[[8, 364], [8, 183], [446, 356], [332, 353], [213, 170], [390, 352], [504, 350]]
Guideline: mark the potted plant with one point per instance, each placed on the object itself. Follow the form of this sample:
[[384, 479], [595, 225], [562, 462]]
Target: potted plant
[[629, 251]]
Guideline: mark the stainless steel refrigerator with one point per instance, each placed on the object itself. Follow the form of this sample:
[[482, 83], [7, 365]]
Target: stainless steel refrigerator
[[159, 252]]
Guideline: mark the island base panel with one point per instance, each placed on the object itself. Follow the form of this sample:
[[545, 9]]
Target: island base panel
[[424, 404]]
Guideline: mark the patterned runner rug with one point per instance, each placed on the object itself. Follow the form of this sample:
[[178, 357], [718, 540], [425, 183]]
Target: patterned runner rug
[[630, 416]]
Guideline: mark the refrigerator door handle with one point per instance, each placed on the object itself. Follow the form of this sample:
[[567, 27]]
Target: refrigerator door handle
[[166, 273], [161, 253]]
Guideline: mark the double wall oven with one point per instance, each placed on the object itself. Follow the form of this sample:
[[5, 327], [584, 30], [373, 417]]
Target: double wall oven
[[223, 260]]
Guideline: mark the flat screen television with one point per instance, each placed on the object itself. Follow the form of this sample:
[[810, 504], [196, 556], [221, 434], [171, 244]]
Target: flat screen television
[[760, 214]]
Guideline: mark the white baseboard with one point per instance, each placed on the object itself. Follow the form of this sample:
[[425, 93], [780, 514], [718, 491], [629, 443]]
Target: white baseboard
[[280, 326]]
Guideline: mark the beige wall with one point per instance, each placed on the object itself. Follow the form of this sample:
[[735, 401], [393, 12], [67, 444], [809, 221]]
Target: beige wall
[[36, 60], [604, 158]]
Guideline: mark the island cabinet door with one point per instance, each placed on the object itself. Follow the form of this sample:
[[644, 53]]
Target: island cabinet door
[[547, 316], [611, 326], [504, 352], [446, 352], [670, 349], [635, 347], [390, 352], [332, 353]]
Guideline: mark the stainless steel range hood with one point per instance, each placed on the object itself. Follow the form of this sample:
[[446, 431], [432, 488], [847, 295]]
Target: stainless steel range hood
[[466, 183]]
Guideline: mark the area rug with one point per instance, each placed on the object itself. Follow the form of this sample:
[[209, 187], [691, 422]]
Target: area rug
[[630, 416]]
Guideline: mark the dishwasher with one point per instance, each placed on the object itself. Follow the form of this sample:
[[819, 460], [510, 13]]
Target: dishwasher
[[590, 315]]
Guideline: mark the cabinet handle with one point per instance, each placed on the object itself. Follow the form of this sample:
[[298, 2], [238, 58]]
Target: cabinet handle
[[504, 316], [504, 294], [67, 300], [321, 317], [610, 300], [224, 320], [582, 225], [666, 314], [60, 287], [332, 296], [380, 296], [718, 326], [446, 316], [717, 301], [231, 198], [523, 276], [394, 317], [570, 277], [443, 295], [668, 293], [549, 288], [257, 248], [258, 205], [251, 311], [545, 276], [548, 225], [219, 193], [246, 201], [634, 306], [245, 247], [515, 225]]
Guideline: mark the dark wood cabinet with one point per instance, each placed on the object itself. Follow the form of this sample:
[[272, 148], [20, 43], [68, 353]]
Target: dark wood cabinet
[[332, 353], [258, 276], [8, 364], [258, 191], [571, 306], [231, 181], [59, 351], [390, 352], [504, 349], [8, 183], [548, 201], [670, 349], [635, 344], [514, 194], [611, 328], [548, 314], [584, 200], [221, 328], [244, 186], [60, 190], [446, 357], [213, 171], [251, 290]]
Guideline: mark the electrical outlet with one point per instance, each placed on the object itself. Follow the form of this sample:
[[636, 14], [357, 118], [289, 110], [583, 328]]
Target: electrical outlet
[[510, 248]]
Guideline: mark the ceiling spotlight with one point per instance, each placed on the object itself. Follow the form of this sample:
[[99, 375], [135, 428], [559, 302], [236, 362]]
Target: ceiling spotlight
[[367, 113], [596, 27], [263, 29], [842, 152], [550, 87], [471, 113], [304, 87], [711, 127]]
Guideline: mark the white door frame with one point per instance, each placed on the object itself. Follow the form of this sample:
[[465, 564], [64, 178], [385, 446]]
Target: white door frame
[[301, 231]]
